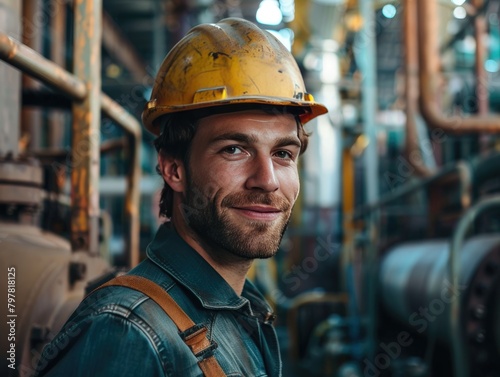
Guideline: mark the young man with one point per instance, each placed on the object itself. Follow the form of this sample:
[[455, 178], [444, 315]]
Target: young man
[[228, 107]]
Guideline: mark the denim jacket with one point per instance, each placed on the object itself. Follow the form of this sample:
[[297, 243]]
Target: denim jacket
[[120, 332]]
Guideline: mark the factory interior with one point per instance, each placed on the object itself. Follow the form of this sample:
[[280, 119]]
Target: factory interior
[[390, 265]]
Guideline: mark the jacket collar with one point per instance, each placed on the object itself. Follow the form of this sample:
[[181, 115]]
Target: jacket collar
[[171, 253]]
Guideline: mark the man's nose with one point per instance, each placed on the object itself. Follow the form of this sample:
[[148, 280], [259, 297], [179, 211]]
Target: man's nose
[[262, 175]]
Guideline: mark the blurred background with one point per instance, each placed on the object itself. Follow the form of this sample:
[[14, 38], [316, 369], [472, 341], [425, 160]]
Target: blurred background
[[391, 263]]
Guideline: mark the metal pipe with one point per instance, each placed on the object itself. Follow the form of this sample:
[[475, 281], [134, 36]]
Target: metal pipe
[[32, 63], [85, 127], [31, 119], [461, 169], [61, 154], [481, 75], [132, 196], [429, 80], [121, 116], [57, 55], [369, 103], [460, 362], [413, 152]]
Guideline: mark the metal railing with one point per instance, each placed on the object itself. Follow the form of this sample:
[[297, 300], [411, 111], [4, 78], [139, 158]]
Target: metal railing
[[85, 196]]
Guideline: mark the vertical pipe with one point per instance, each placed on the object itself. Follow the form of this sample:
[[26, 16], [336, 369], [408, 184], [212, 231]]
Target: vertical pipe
[[413, 152], [58, 56], [132, 201], [85, 127], [10, 87], [369, 108], [33, 24], [159, 35], [482, 95], [369, 102], [481, 75]]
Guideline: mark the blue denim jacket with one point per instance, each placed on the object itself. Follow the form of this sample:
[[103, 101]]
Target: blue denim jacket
[[120, 332]]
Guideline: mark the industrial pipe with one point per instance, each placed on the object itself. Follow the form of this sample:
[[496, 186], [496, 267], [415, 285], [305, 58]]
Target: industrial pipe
[[460, 169], [429, 80], [34, 64], [411, 88], [29, 61]]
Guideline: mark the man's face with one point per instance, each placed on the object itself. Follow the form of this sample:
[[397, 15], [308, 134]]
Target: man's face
[[242, 182]]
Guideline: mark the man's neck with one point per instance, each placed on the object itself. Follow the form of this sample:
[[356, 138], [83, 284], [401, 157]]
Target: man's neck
[[233, 269]]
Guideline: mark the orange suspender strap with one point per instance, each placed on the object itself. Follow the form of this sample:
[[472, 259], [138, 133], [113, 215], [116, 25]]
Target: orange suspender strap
[[195, 336]]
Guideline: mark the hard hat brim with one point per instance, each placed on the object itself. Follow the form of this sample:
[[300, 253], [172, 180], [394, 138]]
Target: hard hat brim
[[306, 111]]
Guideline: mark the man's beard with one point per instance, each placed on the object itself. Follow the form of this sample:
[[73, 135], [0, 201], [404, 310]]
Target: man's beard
[[239, 236]]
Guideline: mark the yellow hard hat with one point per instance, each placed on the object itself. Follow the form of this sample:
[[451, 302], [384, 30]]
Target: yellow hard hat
[[230, 62]]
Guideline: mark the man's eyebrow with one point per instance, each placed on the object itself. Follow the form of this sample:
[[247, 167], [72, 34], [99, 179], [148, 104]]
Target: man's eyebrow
[[286, 141], [249, 139], [236, 136]]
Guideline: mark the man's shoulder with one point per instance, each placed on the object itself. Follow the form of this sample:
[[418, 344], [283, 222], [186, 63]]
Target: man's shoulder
[[118, 298]]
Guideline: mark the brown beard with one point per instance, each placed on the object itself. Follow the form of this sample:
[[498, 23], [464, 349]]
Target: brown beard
[[220, 231]]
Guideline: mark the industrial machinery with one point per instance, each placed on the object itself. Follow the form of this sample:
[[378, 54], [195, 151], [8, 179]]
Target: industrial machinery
[[51, 230], [416, 287], [402, 284]]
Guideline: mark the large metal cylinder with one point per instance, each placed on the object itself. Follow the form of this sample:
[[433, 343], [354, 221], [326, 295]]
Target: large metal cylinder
[[416, 289], [46, 281]]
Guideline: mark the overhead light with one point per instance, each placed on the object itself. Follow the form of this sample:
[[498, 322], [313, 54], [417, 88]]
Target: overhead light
[[389, 11], [269, 13], [491, 66], [458, 2], [459, 13]]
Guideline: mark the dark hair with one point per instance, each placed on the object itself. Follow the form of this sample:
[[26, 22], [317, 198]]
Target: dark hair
[[178, 130]]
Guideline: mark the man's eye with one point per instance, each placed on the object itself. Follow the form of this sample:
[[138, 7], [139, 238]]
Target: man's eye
[[284, 154], [232, 150]]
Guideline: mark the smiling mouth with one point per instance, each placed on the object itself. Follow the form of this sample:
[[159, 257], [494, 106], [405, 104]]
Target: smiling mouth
[[262, 213]]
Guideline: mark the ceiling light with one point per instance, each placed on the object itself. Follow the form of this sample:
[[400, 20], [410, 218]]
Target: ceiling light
[[389, 11], [460, 13], [269, 13], [491, 66]]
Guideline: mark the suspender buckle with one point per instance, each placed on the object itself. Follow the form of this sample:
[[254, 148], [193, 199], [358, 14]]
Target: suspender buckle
[[196, 338]]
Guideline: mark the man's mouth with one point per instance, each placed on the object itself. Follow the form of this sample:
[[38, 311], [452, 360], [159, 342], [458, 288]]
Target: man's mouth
[[259, 212]]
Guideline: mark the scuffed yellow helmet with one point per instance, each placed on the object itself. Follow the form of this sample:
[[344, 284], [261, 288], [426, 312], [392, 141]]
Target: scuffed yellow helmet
[[230, 62]]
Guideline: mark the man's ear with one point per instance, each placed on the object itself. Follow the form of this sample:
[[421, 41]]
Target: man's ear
[[173, 172]]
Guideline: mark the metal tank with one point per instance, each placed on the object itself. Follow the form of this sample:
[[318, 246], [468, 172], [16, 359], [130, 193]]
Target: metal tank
[[416, 289]]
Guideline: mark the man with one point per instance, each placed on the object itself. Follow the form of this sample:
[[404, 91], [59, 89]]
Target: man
[[229, 105]]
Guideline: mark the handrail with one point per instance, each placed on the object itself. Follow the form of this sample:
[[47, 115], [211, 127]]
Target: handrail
[[31, 62], [460, 363]]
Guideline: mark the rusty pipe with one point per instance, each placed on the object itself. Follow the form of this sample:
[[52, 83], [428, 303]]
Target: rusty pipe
[[429, 79], [413, 152], [32, 63], [29, 61]]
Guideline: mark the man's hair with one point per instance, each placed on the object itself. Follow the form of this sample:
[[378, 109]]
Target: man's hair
[[178, 130]]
